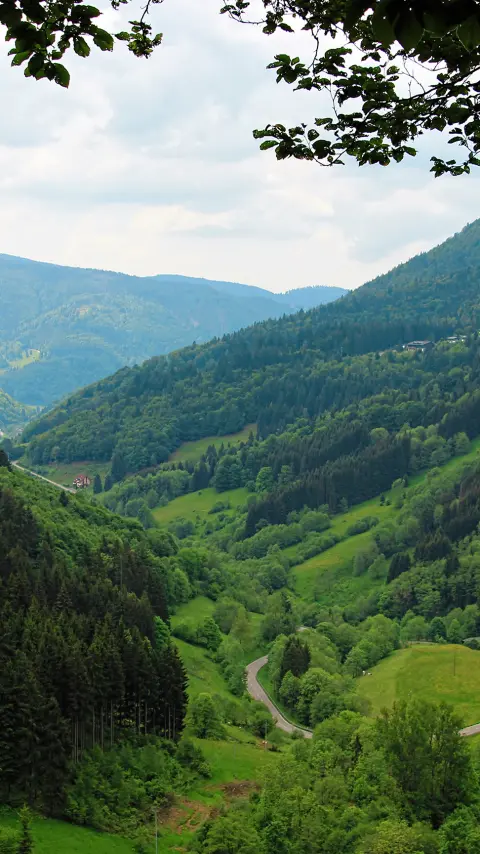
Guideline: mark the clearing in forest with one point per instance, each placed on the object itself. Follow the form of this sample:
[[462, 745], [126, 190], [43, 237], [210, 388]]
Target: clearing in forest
[[434, 672], [191, 452]]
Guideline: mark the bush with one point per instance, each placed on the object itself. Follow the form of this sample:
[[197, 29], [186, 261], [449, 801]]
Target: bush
[[189, 755], [9, 840], [362, 525]]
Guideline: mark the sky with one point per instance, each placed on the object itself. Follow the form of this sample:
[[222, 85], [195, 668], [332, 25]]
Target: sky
[[149, 166]]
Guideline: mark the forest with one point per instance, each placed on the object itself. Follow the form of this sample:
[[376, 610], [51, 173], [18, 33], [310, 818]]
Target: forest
[[271, 373], [126, 626]]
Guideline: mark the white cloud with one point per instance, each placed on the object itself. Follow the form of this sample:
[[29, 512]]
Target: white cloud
[[150, 167]]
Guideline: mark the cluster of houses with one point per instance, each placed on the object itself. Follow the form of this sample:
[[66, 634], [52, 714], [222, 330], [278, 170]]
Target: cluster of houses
[[424, 346]]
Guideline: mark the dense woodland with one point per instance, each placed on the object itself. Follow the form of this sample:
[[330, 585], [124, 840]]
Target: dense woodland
[[271, 373], [88, 591], [84, 649]]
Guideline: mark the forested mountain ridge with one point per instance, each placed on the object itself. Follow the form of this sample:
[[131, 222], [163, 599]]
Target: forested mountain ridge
[[85, 324], [271, 373]]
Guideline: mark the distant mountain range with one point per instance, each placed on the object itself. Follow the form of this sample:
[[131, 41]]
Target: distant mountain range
[[274, 372], [64, 327]]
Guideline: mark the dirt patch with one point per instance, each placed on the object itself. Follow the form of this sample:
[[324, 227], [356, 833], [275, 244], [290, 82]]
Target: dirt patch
[[186, 816], [239, 788]]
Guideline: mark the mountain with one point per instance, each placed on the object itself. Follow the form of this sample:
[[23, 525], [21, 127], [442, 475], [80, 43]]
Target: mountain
[[13, 415], [64, 327], [268, 374]]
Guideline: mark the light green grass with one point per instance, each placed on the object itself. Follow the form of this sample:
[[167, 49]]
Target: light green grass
[[190, 452], [327, 577], [429, 672], [196, 505], [27, 357], [65, 473], [58, 837], [203, 674], [195, 611], [235, 760]]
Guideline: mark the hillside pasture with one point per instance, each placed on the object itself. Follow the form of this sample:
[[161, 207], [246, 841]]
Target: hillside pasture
[[191, 452], [50, 836], [434, 672], [197, 505], [65, 473]]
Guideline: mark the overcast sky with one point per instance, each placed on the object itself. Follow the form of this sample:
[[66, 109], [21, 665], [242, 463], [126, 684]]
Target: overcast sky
[[150, 167]]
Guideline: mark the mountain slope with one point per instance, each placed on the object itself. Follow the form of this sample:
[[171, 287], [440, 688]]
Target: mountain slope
[[271, 373], [86, 324]]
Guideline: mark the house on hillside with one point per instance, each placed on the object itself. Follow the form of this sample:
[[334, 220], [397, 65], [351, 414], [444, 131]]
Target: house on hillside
[[421, 346], [82, 481], [456, 339]]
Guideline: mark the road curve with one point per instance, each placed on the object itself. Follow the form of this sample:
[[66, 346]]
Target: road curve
[[258, 693], [41, 477]]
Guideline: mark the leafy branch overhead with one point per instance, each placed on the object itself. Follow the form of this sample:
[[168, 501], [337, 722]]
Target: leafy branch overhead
[[402, 67], [394, 69], [44, 32]]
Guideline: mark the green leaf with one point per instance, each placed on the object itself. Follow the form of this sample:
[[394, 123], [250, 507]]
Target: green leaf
[[383, 30], [408, 30], [81, 47], [21, 57], [10, 15], [269, 143], [103, 40], [469, 33], [62, 76]]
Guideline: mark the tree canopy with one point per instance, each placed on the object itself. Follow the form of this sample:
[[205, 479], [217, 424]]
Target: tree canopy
[[394, 69]]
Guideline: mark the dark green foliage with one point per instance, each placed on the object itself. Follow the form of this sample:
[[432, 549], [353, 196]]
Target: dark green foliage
[[26, 843], [296, 657], [79, 666], [80, 325], [298, 367], [399, 563], [429, 759], [97, 484], [380, 120]]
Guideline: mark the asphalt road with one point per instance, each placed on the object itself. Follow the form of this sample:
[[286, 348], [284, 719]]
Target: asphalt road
[[258, 693]]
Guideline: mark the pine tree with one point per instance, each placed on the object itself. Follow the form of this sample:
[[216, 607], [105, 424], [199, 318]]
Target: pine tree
[[119, 467], [108, 483], [97, 484]]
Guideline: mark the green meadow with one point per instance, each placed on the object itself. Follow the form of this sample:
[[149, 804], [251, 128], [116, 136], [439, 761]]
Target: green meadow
[[435, 672], [190, 452], [196, 505], [58, 837]]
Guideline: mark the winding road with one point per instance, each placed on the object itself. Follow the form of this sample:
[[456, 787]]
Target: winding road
[[258, 693]]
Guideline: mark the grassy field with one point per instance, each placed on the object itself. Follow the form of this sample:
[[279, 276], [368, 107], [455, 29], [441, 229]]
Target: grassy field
[[196, 505], [327, 577], [26, 358], [430, 672], [190, 452], [65, 473], [58, 836]]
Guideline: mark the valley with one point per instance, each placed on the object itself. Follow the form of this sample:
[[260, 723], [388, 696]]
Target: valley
[[64, 327], [307, 472]]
